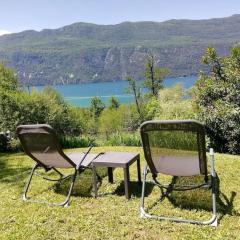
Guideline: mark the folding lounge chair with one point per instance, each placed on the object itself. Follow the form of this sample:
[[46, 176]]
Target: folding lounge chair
[[162, 143], [41, 143]]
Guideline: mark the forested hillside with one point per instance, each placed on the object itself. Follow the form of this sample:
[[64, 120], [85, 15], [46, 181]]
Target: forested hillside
[[84, 52]]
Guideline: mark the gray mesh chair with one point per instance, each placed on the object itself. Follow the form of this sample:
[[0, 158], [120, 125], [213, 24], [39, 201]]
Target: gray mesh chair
[[177, 148], [41, 143]]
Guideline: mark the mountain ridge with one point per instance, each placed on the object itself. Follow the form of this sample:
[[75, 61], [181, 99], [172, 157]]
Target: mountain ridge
[[86, 52]]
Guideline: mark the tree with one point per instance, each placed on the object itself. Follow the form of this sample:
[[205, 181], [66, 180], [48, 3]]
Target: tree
[[154, 75], [8, 79], [135, 89], [217, 97], [97, 106], [113, 103]]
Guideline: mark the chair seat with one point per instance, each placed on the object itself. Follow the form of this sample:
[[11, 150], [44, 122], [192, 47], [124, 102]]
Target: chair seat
[[177, 165], [77, 158]]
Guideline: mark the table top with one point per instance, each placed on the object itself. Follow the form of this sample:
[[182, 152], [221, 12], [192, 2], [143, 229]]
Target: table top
[[116, 159]]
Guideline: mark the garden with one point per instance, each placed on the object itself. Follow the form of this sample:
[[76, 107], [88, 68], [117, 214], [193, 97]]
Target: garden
[[214, 100]]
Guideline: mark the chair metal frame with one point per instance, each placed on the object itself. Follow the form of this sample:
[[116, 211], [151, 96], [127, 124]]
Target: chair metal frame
[[77, 168], [149, 168]]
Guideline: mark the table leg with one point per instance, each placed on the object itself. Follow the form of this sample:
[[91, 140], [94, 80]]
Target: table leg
[[110, 175], [126, 182], [139, 171], [94, 181]]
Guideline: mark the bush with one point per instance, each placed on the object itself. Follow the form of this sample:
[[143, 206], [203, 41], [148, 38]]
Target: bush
[[8, 80], [20, 108], [8, 144], [3, 142], [15, 145], [172, 103], [110, 121]]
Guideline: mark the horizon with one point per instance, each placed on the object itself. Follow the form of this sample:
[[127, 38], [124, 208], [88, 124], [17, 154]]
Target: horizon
[[5, 32], [49, 15]]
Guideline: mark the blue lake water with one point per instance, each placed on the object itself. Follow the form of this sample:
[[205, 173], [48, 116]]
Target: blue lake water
[[80, 94]]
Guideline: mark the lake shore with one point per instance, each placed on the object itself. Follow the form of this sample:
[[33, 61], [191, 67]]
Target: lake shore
[[80, 95]]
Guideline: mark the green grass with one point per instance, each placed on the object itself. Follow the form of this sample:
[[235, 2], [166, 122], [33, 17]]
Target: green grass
[[111, 216]]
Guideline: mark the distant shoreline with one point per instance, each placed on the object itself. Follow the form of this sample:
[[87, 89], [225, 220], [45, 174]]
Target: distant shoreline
[[97, 82], [80, 95]]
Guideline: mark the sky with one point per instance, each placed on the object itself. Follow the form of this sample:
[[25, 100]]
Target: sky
[[19, 15]]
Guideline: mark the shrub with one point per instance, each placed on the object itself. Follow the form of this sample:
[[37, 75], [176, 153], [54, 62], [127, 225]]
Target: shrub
[[19, 107], [8, 80], [14, 145], [172, 103], [110, 121], [3, 142]]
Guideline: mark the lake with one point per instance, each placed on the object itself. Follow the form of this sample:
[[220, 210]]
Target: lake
[[80, 94]]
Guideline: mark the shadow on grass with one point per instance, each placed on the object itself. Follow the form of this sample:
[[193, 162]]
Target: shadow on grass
[[83, 186], [135, 189], [200, 198], [11, 175], [225, 204]]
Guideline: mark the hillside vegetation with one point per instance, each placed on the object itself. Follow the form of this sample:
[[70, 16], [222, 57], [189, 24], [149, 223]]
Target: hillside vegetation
[[84, 52]]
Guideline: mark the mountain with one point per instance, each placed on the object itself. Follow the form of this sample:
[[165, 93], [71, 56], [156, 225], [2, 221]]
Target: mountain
[[84, 52]]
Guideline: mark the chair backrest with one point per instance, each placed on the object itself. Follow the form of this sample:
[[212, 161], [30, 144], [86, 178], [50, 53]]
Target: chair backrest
[[175, 148], [41, 143]]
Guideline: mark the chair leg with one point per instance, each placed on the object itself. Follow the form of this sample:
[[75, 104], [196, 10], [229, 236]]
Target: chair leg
[[25, 198], [212, 221], [65, 203], [96, 181], [142, 211]]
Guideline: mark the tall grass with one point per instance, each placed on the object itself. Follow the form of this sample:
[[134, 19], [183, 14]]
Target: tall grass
[[163, 139], [123, 139], [174, 140], [75, 142], [171, 140]]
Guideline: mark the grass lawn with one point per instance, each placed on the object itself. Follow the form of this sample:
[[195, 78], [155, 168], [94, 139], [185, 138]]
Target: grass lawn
[[111, 216]]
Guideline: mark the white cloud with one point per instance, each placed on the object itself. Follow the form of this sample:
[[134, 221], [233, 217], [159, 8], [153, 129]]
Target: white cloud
[[2, 32]]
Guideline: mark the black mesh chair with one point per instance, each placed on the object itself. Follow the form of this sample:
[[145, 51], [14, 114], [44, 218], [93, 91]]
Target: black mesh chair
[[41, 143], [177, 148]]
